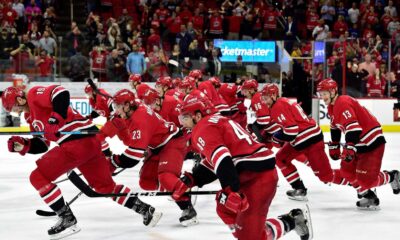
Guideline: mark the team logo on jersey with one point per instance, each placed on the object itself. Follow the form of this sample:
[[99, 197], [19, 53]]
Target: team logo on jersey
[[38, 125]]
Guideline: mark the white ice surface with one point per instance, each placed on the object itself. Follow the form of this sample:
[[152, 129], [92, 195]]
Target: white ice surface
[[333, 207]]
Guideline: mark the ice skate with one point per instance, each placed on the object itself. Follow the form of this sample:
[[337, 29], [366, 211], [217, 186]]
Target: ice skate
[[303, 224], [369, 202], [297, 194], [395, 184], [151, 216], [65, 226], [189, 217]]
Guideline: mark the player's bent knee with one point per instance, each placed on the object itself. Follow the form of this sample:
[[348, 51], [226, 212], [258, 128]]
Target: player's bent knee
[[168, 180], [326, 178], [37, 179], [105, 188], [366, 181], [148, 184]]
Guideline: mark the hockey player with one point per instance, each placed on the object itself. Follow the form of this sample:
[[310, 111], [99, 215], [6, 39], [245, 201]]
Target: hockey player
[[362, 154], [210, 89], [49, 111], [197, 75], [147, 129], [176, 91], [297, 134], [245, 170], [168, 107], [230, 93], [102, 106], [139, 88]]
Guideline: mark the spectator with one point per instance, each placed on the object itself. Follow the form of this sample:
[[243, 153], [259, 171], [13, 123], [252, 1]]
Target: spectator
[[320, 32], [340, 26], [194, 50], [113, 33], [74, 40], [157, 63], [33, 13], [174, 26], [49, 44], [370, 67], [391, 8], [153, 39], [312, 18], [190, 30], [9, 16], [354, 13], [215, 64], [354, 32], [393, 26], [22, 56], [19, 8], [34, 35], [385, 20], [215, 30], [341, 10], [271, 16], [246, 27], [198, 20], [45, 63], [98, 59], [184, 40], [354, 78], [328, 13], [115, 64], [135, 62], [175, 60], [5, 49], [376, 85], [124, 18], [49, 18], [234, 22], [78, 66]]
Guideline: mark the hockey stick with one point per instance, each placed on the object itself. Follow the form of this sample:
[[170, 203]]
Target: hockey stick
[[96, 89], [44, 213], [82, 132], [88, 191]]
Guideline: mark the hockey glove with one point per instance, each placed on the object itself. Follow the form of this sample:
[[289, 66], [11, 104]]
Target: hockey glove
[[334, 150], [182, 186], [349, 152], [19, 144], [55, 122], [233, 201]]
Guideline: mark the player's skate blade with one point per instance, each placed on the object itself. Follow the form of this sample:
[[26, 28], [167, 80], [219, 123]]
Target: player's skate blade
[[303, 223], [369, 202], [297, 195], [395, 184], [67, 232], [151, 217], [189, 217]]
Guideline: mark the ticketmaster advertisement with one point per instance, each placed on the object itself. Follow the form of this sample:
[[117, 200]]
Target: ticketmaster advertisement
[[251, 51]]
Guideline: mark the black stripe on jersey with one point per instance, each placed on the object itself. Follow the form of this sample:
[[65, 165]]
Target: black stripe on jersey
[[335, 135], [248, 154], [202, 175], [309, 142], [61, 103], [379, 141], [256, 166]]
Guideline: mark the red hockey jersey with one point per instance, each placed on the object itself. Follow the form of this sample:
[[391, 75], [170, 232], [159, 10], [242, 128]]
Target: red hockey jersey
[[147, 129], [296, 126], [40, 102], [175, 93], [209, 90], [348, 115], [170, 109], [102, 105], [216, 137]]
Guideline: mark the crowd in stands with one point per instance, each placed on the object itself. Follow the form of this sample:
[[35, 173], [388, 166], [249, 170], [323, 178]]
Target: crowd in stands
[[172, 37]]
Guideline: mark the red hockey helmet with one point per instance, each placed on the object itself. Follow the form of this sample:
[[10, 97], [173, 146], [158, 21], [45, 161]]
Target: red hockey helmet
[[124, 96], [141, 90], [196, 74], [9, 97], [164, 82], [215, 81], [188, 82], [176, 82], [250, 84], [270, 89], [150, 96], [327, 85], [194, 104], [135, 78], [88, 89]]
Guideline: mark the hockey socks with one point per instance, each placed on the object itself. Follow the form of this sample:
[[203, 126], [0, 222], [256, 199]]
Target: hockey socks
[[52, 196]]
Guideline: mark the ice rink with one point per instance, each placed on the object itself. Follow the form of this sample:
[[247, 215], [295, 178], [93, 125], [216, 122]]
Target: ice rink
[[333, 210]]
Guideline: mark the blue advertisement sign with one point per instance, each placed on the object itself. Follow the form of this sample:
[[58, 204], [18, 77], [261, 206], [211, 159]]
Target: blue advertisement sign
[[319, 52], [251, 51]]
